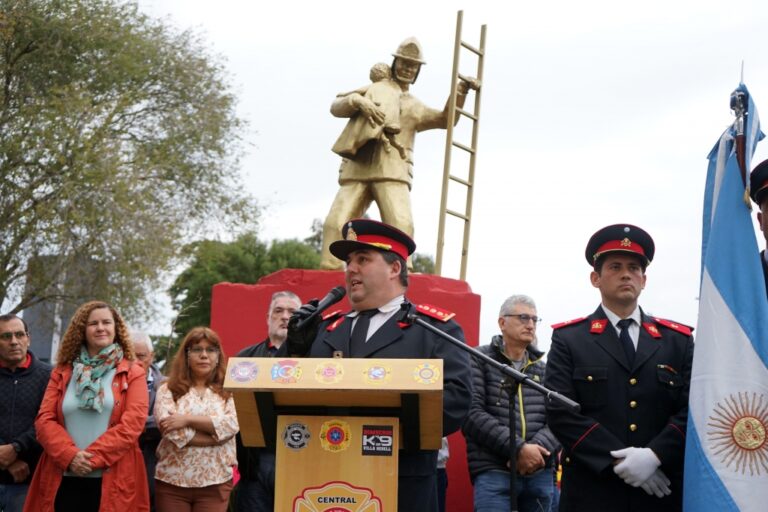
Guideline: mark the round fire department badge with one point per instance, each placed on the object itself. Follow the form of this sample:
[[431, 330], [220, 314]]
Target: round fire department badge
[[426, 373], [335, 435]]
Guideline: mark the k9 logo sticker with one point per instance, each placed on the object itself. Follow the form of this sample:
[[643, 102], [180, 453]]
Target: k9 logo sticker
[[378, 439]]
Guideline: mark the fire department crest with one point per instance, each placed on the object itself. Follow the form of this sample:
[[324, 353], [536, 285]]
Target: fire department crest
[[286, 372], [296, 436], [335, 435], [244, 371], [426, 373], [329, 373], [377, 374]]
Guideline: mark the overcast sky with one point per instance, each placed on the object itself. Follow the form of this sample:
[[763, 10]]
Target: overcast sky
[[593, 113]]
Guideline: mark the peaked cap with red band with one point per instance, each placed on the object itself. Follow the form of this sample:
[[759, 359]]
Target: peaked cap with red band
[[620, 238], [365, 234], [758, 182]]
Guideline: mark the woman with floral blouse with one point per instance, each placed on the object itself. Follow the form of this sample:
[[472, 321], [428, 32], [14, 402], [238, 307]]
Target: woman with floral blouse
[[198, 422]]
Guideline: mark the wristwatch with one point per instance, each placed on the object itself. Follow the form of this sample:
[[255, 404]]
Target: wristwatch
[[16, 447]]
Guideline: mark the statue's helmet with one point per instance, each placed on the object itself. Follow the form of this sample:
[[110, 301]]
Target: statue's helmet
[[410, 49]]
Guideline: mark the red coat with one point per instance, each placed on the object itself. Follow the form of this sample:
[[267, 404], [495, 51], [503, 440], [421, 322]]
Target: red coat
[[116, 452]]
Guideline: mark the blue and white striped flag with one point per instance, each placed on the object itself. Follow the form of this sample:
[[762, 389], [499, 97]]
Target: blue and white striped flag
[[726, 458]]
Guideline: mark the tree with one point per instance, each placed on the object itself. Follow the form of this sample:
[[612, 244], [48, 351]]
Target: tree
[[243, 261], [315, 240], [423, 263], [118, 144]]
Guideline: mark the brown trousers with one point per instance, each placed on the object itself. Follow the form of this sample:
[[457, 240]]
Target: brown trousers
[[171, 498]]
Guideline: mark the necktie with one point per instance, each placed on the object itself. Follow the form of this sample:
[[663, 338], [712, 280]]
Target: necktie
[[360, 332], [626, 339]]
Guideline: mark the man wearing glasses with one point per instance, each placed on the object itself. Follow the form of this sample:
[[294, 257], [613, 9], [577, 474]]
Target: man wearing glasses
[[486, 428], [630, 372], [23, 379]]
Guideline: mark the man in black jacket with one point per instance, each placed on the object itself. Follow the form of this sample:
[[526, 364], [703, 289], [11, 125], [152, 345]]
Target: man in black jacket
[[758, 189], [487, 426], [23, 379], [377, 279], [256, 490], [630, 372]]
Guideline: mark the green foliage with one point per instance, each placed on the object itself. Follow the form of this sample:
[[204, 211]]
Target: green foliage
[[245, 260], [315, 240], [423, 263], [118, 143], [165, 347]]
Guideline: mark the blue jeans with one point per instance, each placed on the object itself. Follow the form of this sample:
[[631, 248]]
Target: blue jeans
[[12, 497], [534, 492]]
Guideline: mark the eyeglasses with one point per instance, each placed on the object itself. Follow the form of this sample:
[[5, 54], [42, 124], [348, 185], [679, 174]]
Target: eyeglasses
[[198, 351], [526, 318], [8, 336]]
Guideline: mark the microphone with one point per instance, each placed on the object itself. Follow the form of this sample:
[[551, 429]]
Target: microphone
[[331, 298]]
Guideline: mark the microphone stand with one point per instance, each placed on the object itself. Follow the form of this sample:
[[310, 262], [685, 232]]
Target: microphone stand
[[513, 380]]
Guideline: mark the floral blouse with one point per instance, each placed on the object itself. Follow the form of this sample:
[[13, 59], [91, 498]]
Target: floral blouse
[[196, 466]]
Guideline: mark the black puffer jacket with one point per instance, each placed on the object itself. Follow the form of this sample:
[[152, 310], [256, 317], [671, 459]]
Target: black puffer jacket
[[21, 392], [486, 428]]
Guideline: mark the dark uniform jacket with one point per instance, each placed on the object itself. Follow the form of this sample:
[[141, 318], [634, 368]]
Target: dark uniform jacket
[[21, 392], [487, 425], [765, 270], [645, 405], [395, 340], [248, 457]]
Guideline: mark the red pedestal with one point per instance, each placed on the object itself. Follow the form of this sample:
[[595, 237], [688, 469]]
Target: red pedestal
[[239, 316]]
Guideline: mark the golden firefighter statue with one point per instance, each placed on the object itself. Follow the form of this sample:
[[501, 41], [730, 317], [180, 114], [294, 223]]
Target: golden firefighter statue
[[377, 144]]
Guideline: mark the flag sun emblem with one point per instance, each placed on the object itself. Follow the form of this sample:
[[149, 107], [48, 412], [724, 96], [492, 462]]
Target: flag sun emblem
[[737, 433]]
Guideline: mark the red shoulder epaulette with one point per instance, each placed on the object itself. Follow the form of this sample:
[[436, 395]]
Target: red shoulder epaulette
[[681, 328], [330, 316], [569, 322], [333, 313], [435, 312]]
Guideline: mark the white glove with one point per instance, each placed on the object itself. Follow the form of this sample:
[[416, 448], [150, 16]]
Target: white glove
[[638, 464], [657, 484]]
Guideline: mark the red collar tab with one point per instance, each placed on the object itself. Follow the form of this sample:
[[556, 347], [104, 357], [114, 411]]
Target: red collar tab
[[682, 329], [435, 312], [333, 325], [326, 316], [569, 322], [652, 329], [404, 325], [625, 244], [598, 326]]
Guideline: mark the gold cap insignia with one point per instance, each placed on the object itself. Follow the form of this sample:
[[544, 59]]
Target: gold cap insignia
[[626, 242], [351, 235]]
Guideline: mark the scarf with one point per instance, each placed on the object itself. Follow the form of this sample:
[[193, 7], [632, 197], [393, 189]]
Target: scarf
[[88, 371]]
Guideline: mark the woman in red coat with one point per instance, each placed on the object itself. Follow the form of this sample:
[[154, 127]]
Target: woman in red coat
[[90, 420]]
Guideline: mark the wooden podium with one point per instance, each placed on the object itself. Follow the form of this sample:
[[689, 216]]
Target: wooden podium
[[337, 425]]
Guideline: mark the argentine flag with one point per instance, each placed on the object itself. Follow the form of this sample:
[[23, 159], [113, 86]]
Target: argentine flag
[[726, 457]]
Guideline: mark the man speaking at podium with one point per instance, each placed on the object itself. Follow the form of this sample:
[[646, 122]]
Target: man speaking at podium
[[376, 281]]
